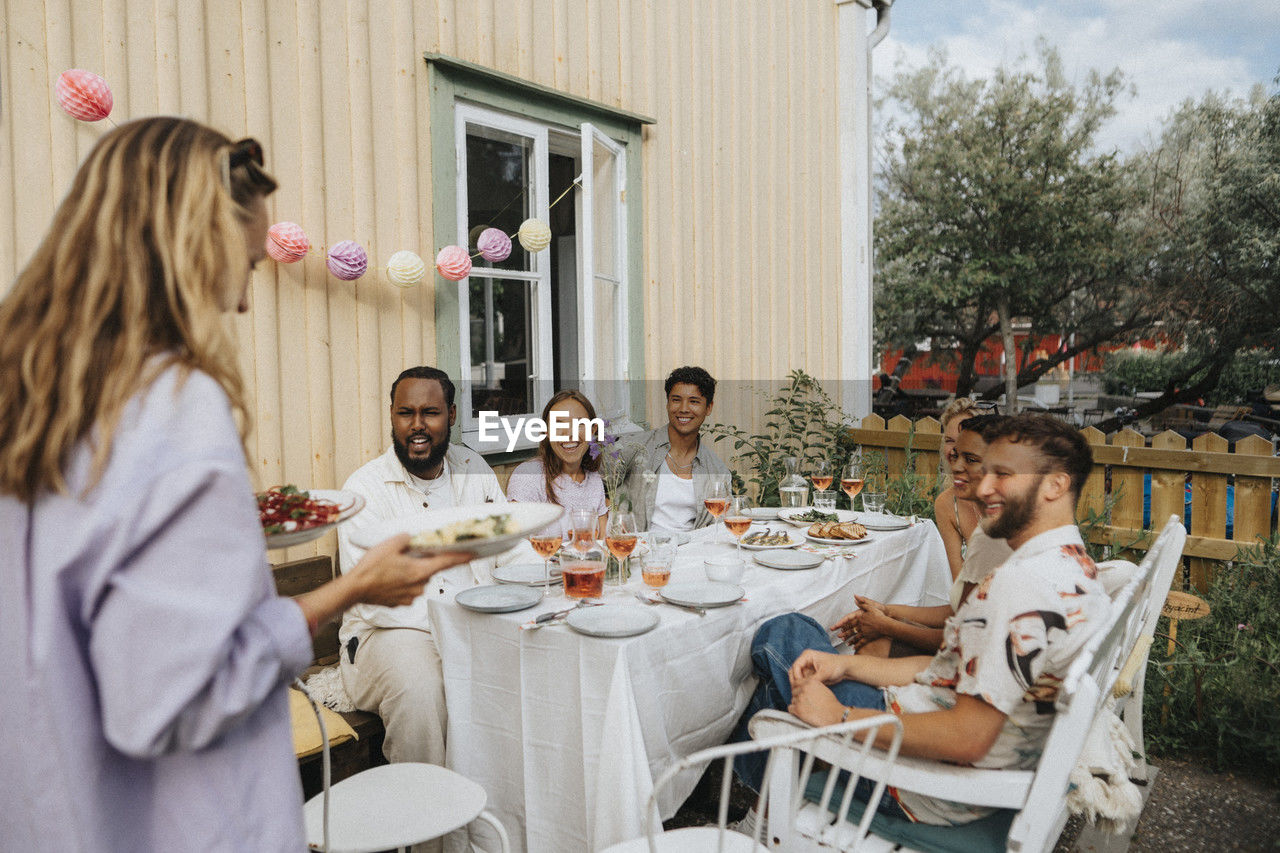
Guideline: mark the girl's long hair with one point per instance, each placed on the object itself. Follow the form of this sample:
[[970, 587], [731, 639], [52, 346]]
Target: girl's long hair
[[132, 277], [552, 467]]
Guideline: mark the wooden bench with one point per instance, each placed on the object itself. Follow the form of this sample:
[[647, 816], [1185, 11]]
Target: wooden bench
[[346, 759], [1033, 802]]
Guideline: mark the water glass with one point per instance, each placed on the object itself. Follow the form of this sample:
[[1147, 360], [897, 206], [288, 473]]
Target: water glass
[[873, 501], [824, 500]]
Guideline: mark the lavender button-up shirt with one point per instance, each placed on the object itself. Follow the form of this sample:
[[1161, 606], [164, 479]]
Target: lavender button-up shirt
[[143, 706]]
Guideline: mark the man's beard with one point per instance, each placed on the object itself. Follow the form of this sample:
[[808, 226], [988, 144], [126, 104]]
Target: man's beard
[[419, 468], [1017, 514]]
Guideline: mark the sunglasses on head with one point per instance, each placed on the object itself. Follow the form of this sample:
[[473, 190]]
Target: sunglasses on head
[[245, 151], [987, 406]]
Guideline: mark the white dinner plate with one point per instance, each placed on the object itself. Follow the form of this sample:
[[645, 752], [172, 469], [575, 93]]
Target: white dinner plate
[[702, 593], [883, 521], [790, 543], [788, 515], [789, 560], [762, 513], [498, 598], [613, 620], [349, 502], [529, 574], [525, 518], [863, 541]]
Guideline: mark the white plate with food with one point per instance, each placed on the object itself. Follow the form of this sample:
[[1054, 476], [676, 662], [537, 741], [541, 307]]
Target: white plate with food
[[613, 620], [498, 598], [482, 529], [807, 516], [766, 540], [528, 574], [790, 561], [702, 593], [844, 533], [292, 516], [883, 521]]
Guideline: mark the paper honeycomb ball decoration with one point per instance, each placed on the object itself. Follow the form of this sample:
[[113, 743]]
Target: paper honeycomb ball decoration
[[453, 263], [534, 234], [405, 269], [84, 95], [287, 242], [494, 245], [348, 260]]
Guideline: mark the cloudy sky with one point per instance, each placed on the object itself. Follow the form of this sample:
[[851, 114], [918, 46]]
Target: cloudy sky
[[1170, 50]]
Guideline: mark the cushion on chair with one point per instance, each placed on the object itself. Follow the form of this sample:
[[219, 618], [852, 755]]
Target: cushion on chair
[[306, 731], [985, 834]]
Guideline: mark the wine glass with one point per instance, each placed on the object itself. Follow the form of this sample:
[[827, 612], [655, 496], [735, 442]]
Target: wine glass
[[620, 538], [582, 530], [717, 498], [546, 544], [736, 519], [851, 479], [822, 476]]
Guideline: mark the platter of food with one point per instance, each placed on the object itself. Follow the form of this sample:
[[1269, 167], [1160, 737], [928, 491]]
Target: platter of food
[[810, 516], [838, 533], [292, 516], [482, 529], [767, 540]]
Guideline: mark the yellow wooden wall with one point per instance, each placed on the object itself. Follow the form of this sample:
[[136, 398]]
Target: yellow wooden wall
[[740, 183]]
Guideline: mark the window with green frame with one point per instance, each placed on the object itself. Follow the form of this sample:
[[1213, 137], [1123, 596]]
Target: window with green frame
[[516, 331]]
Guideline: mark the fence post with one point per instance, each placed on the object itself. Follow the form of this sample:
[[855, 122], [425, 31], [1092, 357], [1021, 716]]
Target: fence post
[[1252, 496], [896, 458], [928, 461], [1208, 508], [1093, 497], [1127, 486]]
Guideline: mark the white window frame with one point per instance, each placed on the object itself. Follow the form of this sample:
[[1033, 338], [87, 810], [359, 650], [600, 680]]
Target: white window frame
[[539, 274]]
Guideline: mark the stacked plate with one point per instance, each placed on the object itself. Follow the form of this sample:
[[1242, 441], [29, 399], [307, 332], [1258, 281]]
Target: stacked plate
[[613, 620], [528, 574], [883, 521], [499, 598], [702, 593], [789, 560]]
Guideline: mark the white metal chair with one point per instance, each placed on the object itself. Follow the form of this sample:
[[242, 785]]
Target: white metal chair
[[841, 749], [393, 806], [1037, 798]]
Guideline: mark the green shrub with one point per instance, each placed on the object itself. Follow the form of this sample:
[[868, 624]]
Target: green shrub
[[1223, 679], [1131, 372]]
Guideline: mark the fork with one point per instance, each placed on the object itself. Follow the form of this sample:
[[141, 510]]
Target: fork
[[640, 596]]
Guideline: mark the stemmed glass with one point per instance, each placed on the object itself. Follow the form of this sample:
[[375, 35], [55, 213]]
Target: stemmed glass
[[582, 530], [851, 479], [621, 538], [822, 476], [736, 519], [717, 499], [546, 545]]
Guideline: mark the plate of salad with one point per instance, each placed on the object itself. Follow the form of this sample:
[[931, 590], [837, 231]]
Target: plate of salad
[[291, 516]]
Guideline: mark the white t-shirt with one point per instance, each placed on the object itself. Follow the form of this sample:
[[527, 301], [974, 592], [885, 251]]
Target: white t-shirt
[[673, 504], [437, 492], [1010, 645]]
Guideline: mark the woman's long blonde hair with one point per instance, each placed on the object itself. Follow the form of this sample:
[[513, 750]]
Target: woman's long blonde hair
[[131, 278]]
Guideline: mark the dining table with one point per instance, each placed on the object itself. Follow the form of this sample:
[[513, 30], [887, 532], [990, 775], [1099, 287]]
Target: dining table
[[567, 733]]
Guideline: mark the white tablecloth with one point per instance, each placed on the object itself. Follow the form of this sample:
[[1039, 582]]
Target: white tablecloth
[[566, 733]]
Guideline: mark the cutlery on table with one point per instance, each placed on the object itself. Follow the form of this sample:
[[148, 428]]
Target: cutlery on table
[[640, 596], [555, 616]]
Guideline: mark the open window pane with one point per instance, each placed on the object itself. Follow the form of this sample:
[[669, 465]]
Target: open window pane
[[604, 191], [501, 338], [499, 189]]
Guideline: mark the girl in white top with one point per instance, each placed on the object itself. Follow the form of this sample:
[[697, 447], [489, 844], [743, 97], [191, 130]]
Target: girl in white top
[[897, 629]]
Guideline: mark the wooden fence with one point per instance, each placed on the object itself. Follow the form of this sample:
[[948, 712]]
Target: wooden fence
[[1114, 492]]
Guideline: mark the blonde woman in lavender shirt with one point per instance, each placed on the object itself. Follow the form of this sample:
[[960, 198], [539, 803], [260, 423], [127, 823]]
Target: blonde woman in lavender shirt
[[563, 472]]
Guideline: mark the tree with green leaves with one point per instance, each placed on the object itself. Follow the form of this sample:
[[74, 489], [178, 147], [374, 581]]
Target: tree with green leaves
[[994, 205]]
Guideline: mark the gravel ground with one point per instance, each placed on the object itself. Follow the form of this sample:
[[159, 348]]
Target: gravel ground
[[1191, 809]]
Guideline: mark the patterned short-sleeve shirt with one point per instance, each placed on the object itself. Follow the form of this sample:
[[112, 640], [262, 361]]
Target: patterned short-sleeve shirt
[[1010, 645]]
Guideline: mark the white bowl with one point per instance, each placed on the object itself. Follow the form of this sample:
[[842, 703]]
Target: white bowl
[[725, 569]]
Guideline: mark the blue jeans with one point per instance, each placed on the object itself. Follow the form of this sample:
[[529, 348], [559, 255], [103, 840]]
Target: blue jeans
[[774, 648]]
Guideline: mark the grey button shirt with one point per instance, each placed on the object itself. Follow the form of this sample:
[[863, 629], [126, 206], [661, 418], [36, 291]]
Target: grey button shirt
[[647, 452]]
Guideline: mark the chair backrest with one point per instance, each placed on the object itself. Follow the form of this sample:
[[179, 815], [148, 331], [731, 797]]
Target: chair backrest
[[1088, 683], [836, 744]]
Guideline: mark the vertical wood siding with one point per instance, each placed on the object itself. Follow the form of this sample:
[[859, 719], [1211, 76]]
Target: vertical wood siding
[[740, 177]]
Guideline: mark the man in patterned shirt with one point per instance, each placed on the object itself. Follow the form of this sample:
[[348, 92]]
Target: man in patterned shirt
[[986, 697]]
